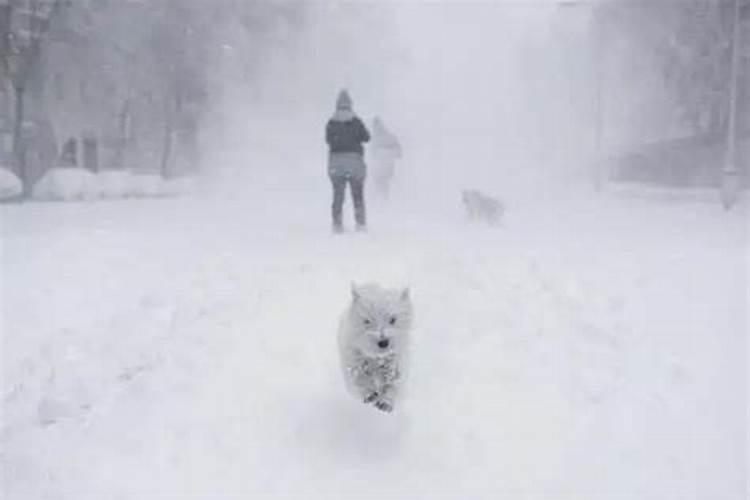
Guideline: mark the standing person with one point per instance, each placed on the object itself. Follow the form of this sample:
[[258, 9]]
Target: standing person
[[385, 151], [345, 134]]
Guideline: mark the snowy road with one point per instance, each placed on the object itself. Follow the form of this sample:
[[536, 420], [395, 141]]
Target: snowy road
[[184, 349]]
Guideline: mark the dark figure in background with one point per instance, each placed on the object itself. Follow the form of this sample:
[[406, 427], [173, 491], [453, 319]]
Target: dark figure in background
[[69, 155], [345, 134], [386, 149]]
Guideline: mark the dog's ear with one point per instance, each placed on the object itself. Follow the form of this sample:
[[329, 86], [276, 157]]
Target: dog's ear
[[405, 294], [355, 292]]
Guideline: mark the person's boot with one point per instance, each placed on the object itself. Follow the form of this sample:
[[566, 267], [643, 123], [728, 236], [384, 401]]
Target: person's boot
[[359, 218], [337, 228]]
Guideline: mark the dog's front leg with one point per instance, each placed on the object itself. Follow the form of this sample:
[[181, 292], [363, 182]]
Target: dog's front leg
[[360, 375], [370, 396], [386, 398], [367, 390], [389, 379]]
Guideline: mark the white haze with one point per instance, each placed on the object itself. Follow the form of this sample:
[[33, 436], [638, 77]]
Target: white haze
[[491, 94]]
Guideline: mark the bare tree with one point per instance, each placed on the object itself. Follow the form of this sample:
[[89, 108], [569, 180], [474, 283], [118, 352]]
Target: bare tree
[[25, 25], [147, 69], [691, 42]]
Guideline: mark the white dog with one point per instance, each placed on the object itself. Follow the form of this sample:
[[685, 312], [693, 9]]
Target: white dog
[[373, 343], [480, 206]]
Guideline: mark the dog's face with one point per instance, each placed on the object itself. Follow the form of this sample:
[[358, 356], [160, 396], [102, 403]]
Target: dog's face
[[381, 319]]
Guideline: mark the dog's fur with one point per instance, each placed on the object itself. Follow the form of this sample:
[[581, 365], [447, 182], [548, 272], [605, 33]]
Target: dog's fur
[[480, 206], [374, 374]]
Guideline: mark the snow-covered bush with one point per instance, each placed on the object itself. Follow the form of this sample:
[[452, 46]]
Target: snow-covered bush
[[10, 184], [114, 184], [147, 185], [66, 184], [180, 186]]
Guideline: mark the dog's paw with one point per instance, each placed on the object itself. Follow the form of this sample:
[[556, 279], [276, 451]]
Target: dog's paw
[[384, 406], [371, 397]]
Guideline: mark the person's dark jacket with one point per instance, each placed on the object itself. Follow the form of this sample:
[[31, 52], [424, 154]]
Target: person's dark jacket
[[346, 136]]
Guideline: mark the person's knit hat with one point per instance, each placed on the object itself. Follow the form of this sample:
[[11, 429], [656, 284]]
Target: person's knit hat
[[344, 101]]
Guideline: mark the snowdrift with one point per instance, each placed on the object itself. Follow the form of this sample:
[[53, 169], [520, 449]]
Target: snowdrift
[[76, 184], [10, 184], [65, 184], [115, 184]]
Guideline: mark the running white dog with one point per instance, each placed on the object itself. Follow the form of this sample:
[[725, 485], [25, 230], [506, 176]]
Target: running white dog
[[480, 206], [373, 343]]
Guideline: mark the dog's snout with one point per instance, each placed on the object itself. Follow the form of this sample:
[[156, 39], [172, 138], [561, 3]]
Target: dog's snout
[[383, 343]]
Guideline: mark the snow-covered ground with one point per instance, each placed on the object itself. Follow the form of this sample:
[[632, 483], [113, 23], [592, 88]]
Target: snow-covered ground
[[591, 348]]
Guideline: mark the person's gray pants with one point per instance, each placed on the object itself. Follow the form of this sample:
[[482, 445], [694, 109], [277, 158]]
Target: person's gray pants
[[357, 187]]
